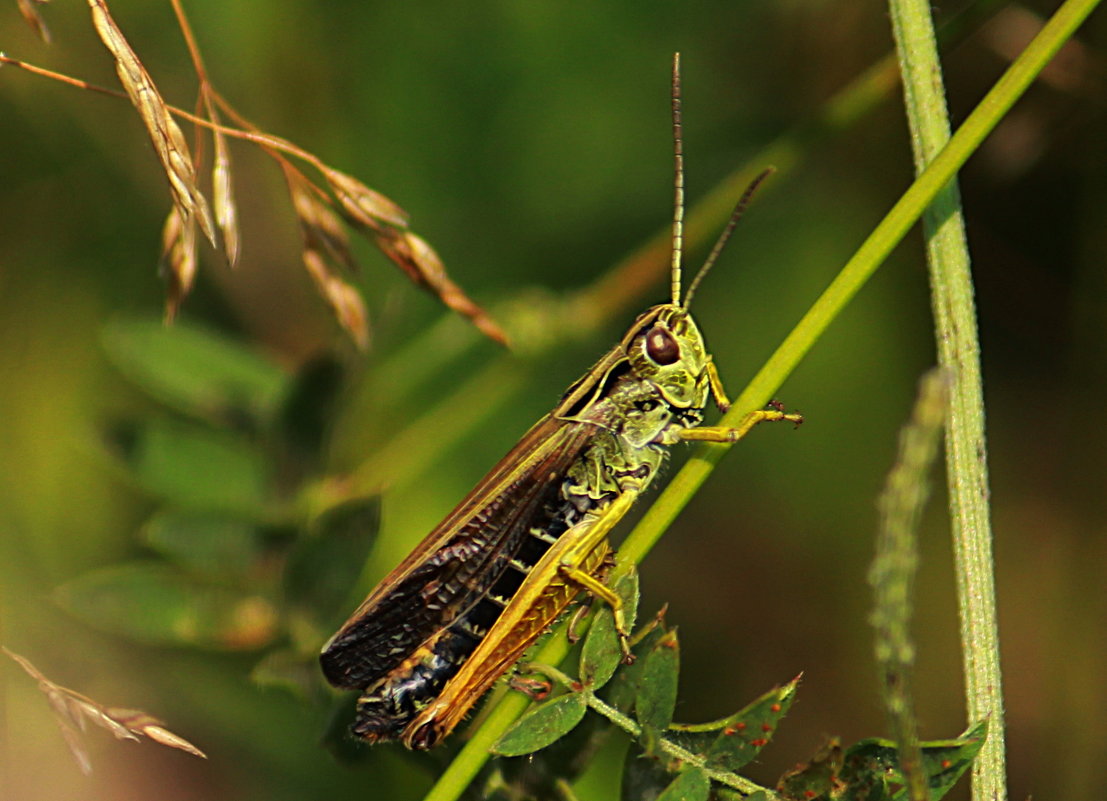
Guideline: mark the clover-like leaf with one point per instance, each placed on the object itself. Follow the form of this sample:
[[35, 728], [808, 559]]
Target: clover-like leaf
[[602, 653], [542, 725], [657, 690], [204, 543], [871, 769], [813, 780], [155, 603], [194, 370], [689, 785], [741, 737], [623, 687], [196, 467]]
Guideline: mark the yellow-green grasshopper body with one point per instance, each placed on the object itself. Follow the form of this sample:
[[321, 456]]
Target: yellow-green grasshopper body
[[463, 607]]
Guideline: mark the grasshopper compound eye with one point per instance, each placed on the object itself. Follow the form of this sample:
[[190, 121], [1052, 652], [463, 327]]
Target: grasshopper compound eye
[[661, 346]]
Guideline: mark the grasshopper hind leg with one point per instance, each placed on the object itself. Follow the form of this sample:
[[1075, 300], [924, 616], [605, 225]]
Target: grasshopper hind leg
[[597, 589]]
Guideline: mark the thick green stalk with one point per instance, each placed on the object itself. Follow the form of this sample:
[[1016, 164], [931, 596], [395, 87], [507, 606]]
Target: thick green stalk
[[955, 330]]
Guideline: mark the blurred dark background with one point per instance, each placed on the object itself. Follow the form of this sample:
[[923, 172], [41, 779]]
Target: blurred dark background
[[530, 142]]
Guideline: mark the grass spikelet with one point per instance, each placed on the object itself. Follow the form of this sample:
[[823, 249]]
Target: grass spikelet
[[169, 143]]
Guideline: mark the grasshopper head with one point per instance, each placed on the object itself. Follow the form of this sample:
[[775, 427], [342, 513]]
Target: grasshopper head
[[667, 349]]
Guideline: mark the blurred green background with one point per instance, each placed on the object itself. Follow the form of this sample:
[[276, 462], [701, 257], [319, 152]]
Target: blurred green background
[[530, 143]]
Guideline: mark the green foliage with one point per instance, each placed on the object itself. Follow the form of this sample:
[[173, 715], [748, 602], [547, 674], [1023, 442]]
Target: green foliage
[[689, 785], [655, 700], [543, 725], [325, 561], [239, 566], [733, 742], [205, 544], [602, 652], [623, 688], [192, 466], [155, 603], [691, 761], [195, 371], [869, 770]]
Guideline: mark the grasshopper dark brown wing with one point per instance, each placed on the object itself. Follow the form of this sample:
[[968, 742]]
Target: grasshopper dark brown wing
[[458, 563]]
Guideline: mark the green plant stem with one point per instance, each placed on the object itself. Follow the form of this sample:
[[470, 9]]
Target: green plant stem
[[958, 347], [892, 574], [760, 390]]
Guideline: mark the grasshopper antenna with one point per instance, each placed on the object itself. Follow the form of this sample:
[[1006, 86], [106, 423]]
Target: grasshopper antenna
[[678, 185], [720, 243]]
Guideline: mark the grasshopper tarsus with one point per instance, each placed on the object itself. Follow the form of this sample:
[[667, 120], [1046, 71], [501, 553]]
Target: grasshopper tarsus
[[535, 689], [792, 417], [572, 632]]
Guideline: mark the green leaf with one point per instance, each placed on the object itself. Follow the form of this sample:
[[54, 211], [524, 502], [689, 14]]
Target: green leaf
[[871, 769], [542, 725], [542, 773], [208, 545], [657, 690], [741, 737], [602, 653], [814, 780], [195, 467], [627, 589], [326, 562], [155, 603], [309, 408], [623, 688], [690, 785], [194, 370]]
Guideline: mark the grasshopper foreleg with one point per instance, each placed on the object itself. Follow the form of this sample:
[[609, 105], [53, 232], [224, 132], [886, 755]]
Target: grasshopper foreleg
[[725, 434]]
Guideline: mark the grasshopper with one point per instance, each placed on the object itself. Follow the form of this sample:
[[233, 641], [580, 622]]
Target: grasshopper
[[462, 608]]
